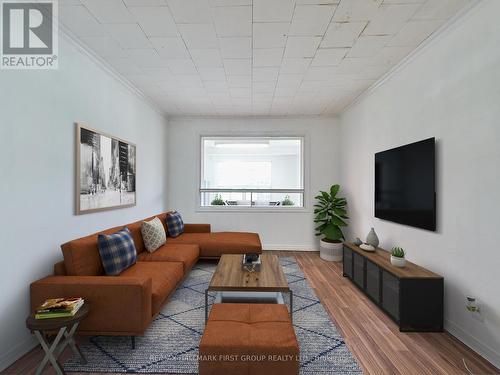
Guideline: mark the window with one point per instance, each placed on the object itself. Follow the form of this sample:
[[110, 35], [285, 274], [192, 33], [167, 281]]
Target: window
[[253, 172]]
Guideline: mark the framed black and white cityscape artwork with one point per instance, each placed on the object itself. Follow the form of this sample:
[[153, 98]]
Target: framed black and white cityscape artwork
[[105, 171]]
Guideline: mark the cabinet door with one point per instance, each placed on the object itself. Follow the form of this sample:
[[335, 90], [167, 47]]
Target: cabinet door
[[359, 270], [373, 281], [390, 294], [347, 262]]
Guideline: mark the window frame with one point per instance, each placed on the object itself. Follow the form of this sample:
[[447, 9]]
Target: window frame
[[304, 169]]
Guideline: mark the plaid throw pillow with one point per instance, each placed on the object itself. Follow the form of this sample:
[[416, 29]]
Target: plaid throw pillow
[[117, 251], [175, 225]]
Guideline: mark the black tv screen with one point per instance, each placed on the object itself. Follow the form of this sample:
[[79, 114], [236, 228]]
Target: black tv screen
[[405, 190]]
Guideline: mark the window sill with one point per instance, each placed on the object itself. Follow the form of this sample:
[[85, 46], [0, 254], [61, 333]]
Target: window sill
[[280, 210]]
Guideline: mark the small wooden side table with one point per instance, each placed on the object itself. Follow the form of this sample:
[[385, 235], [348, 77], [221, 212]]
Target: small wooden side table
[[66, 328]]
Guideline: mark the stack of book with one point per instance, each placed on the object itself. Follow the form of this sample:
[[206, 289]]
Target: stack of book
[[59, 308]]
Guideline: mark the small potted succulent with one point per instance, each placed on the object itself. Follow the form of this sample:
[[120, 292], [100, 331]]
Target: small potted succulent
[[218, 201], [398, 257]]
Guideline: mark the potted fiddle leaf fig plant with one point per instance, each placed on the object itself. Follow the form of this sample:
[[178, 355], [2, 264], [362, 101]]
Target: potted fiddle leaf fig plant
[[330, 215]]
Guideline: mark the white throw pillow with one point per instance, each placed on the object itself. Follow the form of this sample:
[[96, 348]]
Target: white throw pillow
[[153, 234]]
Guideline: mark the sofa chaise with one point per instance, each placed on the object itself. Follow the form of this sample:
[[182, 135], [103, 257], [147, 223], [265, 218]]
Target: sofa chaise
[[126, 304]]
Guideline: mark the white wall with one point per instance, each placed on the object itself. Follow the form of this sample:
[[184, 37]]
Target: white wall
[[278, 230], [450, 91], [37, 158]]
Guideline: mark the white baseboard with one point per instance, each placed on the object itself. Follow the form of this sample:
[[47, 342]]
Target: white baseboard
[[16, 352], [290, 247], [479, 347]]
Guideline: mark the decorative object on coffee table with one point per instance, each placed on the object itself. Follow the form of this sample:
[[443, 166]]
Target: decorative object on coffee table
[[398, 257], [66, 328], [330, 213], [251, 262], [358, 241], [372, 238]]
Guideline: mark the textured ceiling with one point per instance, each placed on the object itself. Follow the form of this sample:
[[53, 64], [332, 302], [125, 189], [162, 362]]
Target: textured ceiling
[[260, 57]]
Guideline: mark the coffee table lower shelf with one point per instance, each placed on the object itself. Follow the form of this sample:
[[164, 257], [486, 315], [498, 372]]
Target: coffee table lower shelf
[[228, 296]]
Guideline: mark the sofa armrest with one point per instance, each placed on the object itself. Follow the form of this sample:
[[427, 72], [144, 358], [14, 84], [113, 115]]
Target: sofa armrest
[[117, 304], [197, 228]]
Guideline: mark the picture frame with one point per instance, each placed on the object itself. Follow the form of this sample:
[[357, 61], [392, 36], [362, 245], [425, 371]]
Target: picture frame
[[106, 171]]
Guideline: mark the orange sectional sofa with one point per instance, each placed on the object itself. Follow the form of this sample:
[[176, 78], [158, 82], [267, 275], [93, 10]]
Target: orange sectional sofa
[[126, 304]]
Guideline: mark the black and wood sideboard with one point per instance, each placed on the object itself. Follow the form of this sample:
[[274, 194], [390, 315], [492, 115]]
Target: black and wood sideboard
[[412, 296]]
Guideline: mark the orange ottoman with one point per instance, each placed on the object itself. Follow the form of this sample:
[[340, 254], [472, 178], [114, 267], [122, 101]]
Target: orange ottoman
[[250, 339]]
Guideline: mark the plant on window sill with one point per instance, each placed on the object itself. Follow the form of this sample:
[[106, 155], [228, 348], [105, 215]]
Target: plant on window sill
[[218, 201], [287, 201]]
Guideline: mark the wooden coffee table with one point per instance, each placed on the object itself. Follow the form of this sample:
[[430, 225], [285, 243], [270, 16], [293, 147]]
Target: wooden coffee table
[[230, 277]]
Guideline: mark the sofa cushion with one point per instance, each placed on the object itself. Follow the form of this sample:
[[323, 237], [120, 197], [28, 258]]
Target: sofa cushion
[[117, 251], [175, 225], [187, 254], [218, 243], [164, 278], [153, 234]]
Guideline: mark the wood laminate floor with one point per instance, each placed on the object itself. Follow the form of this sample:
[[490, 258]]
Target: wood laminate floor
[[371, 336]]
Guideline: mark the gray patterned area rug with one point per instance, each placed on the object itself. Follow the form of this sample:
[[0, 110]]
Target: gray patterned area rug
[[170, 345]]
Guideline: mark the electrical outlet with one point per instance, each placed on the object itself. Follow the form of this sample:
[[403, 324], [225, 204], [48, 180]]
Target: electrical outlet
[[472, 305]]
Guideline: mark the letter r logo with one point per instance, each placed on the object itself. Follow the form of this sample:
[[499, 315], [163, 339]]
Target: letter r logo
[[27, 28]]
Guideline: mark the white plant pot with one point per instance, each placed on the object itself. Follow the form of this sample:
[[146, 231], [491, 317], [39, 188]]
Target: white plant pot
[[398, 262], [331, 251]]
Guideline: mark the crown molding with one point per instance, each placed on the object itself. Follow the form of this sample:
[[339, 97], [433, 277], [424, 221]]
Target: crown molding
[[446, 28], [250, 117], [107, 68]]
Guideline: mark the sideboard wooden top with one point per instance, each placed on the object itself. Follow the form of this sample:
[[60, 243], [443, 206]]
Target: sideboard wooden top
[[382, 258]]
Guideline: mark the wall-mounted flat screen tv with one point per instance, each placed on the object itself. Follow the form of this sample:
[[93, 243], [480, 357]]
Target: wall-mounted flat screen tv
[[405, 184]]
